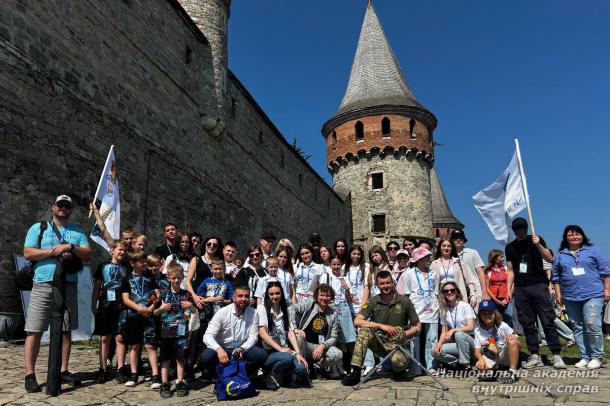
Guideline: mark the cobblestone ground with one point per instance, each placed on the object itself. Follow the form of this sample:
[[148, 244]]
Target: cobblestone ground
[[542, 386]]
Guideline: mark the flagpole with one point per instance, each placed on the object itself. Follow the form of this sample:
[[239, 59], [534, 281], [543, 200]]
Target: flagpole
[[524, 185], [99, 185]]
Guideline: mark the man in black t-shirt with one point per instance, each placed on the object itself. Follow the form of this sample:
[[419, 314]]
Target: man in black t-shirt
[[524, 256], [170, 232]]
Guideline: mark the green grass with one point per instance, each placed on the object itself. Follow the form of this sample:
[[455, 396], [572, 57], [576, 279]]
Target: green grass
[[569, 354]]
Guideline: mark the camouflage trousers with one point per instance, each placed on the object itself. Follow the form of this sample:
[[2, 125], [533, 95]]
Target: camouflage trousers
[[367, 340]]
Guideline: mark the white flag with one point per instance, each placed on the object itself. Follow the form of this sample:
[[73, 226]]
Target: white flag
[[110, 209], [501, 201]]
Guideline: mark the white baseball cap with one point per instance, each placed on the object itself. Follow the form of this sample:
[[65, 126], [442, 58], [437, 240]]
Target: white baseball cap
[[63, 198]]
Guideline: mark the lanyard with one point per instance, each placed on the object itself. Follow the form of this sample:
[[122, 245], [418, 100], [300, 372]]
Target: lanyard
[[446, 270], [453, 315], [301, 276], [356, 282], [577, 257], [174, 296], [140, 285], [420, 290]]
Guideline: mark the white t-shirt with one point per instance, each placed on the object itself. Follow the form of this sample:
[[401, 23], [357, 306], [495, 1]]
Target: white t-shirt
[[278, 334], [185, 268], [500, 333], [445, 268], [357, 284], [305, 276], [336, 284], [282, 277], [472, 260], [458, 315], [422, 289]]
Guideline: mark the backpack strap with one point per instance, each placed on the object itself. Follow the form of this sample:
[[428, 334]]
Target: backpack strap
[[43, 228]]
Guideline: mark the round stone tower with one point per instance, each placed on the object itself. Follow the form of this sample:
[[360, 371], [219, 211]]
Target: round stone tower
[[380, 145], [212, 16]]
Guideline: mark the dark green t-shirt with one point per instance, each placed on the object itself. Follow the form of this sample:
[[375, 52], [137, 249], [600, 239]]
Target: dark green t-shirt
[[400, 312]]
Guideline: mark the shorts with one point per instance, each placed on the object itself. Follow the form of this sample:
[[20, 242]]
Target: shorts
[[42, 304], [140, 330], [106, 322], [173, 348], [502, 359]]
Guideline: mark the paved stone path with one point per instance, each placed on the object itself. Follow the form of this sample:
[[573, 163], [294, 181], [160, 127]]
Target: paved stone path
[[542, 386]]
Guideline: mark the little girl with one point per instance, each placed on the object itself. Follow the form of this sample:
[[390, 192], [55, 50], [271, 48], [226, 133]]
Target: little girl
[[494, 342]]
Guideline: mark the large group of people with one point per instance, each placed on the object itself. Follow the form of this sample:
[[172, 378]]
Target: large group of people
[[295, 312]]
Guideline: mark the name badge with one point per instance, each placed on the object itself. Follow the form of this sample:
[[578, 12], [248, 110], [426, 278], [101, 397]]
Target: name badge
[[578, 271], [111, 295], [523, 267], [181, 329]]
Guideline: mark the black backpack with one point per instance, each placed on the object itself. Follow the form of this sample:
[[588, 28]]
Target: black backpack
[[25, 275]]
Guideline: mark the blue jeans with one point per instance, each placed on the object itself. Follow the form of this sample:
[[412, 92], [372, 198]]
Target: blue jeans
[[255, 357], [586, 315], [459, 352], [429, 332], [284, 364]]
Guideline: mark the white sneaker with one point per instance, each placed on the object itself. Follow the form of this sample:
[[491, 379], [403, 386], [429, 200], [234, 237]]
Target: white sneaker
[[366, 370], [558, 362], [532, 362], [595, 363], [582, 363]]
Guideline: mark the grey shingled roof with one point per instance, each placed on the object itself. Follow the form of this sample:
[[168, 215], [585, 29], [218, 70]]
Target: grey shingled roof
[[441, 213], [376, 78]]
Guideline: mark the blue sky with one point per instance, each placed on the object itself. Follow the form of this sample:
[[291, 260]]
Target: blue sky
[[490, 71]]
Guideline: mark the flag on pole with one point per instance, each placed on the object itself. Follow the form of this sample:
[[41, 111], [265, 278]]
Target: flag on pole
[[502, 200], [110, 209]]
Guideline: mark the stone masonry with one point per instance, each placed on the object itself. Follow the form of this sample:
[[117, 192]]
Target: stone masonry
[[80, 76]]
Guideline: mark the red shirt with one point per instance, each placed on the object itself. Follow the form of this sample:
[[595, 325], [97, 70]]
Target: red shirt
[[497, 282]]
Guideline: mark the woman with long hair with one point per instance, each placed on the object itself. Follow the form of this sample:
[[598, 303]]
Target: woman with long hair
[[447, 266], [581, 276], [286, 273], [287, 244], [326, 254], [356, 271], [340, 249], [252, 273], [273, 330], [199, 267], [497, 285], [306, 271], [378, 261], [455, 346], [183, 254]]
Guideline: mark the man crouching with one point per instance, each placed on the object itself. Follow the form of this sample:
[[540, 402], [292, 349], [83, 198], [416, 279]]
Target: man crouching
[[392, 314]]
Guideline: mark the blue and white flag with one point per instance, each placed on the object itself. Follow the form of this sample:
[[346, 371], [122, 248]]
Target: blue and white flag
[[501, 201], [110, 209]]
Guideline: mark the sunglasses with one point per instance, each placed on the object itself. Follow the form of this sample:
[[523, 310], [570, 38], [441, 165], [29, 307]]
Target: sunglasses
[[64, 205], [392, 248], [254, 255], [211, 244], [448, 291]]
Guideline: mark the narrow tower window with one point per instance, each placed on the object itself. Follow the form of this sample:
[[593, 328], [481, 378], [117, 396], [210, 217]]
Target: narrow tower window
[[379, 223], [334, 140], [377, 180], [411, 127], [359, 131], [385, 127]]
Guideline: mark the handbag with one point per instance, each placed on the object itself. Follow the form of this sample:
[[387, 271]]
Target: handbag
[[233, 382]]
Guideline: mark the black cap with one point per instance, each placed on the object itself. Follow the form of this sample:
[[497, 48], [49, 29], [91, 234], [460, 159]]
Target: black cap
[[268, 235], [519, 224], [315, 237], [455, 234]]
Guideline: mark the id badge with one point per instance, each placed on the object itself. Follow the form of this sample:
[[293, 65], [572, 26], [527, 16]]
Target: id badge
[[523, 267], [578, 271], [181, 329], [111, 295]]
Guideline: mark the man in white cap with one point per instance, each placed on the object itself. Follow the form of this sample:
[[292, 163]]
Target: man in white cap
[[45, 243]]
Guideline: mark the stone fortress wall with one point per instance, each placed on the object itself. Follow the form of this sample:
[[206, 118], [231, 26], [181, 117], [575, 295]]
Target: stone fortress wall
[[79, 76]]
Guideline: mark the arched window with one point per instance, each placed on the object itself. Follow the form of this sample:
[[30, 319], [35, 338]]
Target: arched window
[[359, 131], [385, 127], [334, 140], [411, 128]]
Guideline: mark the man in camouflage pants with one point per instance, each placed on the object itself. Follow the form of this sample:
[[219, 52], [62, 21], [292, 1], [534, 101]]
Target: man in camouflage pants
[[391, 313]]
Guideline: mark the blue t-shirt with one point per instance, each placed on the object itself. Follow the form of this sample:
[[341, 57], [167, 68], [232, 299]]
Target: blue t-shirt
[[211, 287], [45, 269]]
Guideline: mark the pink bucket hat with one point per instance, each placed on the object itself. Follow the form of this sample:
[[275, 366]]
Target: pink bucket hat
[[419, 253]]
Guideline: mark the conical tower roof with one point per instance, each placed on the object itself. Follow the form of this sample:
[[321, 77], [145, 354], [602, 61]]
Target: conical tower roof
[[441, 213], [376, 78]]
